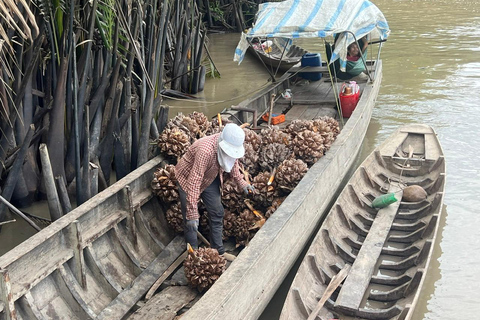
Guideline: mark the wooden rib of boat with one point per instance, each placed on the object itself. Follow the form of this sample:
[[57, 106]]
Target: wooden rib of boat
[[276, 57], [385, 254], [99, 261]]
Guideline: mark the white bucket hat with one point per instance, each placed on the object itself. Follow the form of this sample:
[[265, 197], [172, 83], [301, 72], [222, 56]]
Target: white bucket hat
[[231, 141]]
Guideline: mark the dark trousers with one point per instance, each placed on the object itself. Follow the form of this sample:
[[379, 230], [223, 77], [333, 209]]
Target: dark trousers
[[213, 202]]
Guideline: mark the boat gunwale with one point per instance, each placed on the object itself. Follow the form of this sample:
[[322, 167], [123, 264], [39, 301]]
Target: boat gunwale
[[216, 295]]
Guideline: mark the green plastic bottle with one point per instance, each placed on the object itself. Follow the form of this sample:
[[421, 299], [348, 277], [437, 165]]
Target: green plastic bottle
[[384, 200]]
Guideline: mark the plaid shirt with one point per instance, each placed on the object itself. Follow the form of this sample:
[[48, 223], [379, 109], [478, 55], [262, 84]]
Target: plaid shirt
[[197, 169]]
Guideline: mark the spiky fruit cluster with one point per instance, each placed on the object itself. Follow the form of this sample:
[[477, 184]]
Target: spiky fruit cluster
[[264, 193], [229, 219], [174, 217], [308, 146], [272, 155], [164, 183], [296, 126], [203, 267], [250, 160], [186, 124], [289, 174], [215, 128], [273, 134], [332, 123], [252, 138], [275, 204], [232, 196], [173, 142], [243, 227], [202, 121]]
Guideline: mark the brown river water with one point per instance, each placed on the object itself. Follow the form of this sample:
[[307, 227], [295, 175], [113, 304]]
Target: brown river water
[[431, 74]]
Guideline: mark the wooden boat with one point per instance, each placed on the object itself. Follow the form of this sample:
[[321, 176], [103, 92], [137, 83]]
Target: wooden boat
[[383, 255], [275, 57], [99, 261]]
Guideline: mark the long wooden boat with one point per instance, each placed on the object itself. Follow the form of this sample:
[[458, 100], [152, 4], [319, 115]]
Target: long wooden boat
[[275, 57], [383, 255], [99, 261]]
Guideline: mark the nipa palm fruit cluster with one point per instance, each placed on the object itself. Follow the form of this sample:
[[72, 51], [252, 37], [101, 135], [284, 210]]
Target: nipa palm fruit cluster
[[275, 161], [203, 267]]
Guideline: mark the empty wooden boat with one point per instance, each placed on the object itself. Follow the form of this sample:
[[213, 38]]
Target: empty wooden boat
[[382, 254], [275, 57]]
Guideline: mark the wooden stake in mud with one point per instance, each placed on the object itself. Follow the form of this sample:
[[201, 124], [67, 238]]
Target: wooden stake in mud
[[272, 102]]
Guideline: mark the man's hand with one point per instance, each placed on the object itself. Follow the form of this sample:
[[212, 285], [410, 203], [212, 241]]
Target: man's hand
[[192, 224], [248, 189]]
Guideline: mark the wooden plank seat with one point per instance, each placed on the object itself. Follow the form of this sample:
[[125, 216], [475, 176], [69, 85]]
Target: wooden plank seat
[[119, 307], [166, 304], [356, 283]]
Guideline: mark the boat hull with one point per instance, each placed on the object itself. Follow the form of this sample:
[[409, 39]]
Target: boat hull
[[387, 252]]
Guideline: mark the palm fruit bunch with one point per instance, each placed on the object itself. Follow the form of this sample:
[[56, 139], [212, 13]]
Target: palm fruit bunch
[[273, 134], [204, 221], [186, 124], [202, 121], [296, 126], [174, 217], [215, 128], [250, 159], [308, 146], [232, 196], [173, 142], [203, 267], [264, 192], [164, 183], [322, 126], [229, 220], [289, 174], [252, 138], [243, 227], [332, 123], [275, 204], [272, 155]]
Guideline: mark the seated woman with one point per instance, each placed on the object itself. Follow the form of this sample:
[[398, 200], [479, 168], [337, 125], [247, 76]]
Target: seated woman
[[355, 66]]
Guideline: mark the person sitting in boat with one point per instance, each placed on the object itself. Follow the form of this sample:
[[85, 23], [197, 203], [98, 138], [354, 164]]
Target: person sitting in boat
[[199, 174], [355, 65]]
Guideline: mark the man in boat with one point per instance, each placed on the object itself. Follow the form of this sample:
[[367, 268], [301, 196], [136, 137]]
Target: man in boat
[[199, 174]]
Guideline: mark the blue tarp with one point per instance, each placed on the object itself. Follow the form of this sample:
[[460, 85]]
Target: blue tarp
[[317, 18]]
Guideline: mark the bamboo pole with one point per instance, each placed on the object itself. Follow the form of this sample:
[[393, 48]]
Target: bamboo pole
[[15, 210], [52, 196]]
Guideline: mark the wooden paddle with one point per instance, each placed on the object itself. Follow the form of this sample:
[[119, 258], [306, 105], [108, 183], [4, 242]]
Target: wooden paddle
[[334, 283]]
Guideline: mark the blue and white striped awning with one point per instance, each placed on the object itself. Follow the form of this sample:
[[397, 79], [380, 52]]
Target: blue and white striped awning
[[317, 18]]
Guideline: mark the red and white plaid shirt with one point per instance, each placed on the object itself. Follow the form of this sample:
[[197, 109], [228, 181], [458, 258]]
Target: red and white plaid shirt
[[197, 169]]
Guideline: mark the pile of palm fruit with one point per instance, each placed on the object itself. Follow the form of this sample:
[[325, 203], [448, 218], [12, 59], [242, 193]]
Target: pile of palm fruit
[[275, 161]]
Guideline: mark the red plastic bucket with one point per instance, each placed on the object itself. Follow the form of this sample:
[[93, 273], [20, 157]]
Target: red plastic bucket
[[348, 102]]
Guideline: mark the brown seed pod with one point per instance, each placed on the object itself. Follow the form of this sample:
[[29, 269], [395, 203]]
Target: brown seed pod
[[272, 155], [296, 126], [252, 138], [202, 121], [289, 174], [186, 124], [250, 160], [308, 146], [229, 224], [203, 267], [242, 229], [264, 193], [275, 204], [164, 183], [232, 195], [273, 134], [174, 217], [332, 123], [173, 142]]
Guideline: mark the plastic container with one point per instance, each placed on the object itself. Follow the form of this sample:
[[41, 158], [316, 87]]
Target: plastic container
[[311, 60], [349, 96], [383, 200]]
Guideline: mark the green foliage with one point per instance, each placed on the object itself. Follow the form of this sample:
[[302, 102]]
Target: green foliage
[[106, 21]]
